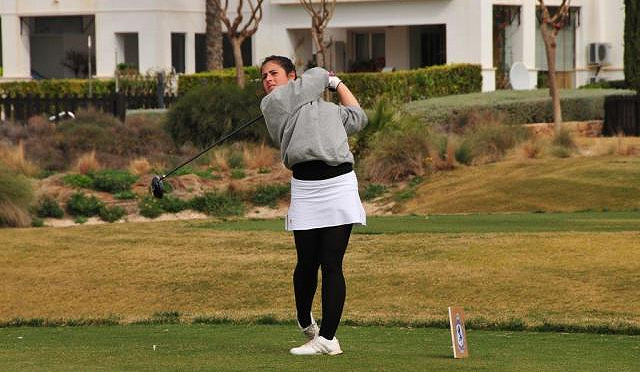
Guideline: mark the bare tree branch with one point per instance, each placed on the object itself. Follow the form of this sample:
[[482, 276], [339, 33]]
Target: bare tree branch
[[237, 31], [319, 21]]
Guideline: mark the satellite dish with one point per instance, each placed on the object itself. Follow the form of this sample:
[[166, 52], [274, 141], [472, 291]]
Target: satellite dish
[[519, 76]]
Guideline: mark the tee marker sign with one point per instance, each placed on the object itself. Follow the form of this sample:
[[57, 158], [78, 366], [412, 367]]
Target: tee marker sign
[[458, 333]]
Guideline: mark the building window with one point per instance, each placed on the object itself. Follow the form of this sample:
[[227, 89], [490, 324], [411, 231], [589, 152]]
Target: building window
[[565, 50], [428, 45], [201, 52], [127, 56], [227, 51], [178, 52], [369, 51]]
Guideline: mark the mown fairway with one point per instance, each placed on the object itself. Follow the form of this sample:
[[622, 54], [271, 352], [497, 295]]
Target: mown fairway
[[265, 348], [552, 277]]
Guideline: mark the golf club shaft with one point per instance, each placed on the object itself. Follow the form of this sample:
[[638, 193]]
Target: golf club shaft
[[222, 139]]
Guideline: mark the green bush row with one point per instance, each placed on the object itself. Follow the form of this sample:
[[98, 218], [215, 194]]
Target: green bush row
[[108, 180], [136, 84], [187, 83], [412, 85], [219, 204], [369, 87]]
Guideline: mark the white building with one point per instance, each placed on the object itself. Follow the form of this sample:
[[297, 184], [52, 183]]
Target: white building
[[38, 35]]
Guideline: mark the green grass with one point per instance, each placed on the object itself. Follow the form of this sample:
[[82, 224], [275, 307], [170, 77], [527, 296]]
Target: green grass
[[265, 348], [517, 107], [471, 223]]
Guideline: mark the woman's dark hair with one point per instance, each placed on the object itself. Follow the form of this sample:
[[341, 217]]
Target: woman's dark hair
[[283, 62]]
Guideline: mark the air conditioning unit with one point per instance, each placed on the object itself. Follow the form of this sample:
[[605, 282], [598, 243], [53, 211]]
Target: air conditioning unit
[[599, 54]]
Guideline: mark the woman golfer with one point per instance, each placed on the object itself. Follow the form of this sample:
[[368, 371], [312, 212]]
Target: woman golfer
[[312, 136]]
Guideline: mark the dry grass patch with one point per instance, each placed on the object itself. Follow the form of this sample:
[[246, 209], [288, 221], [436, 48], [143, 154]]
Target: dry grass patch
[[87, 163], [259, 156], [519, 185], [139, 167], [135, 270], [13, 158]]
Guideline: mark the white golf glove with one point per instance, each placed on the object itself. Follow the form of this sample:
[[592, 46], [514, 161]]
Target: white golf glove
[[334, 81]]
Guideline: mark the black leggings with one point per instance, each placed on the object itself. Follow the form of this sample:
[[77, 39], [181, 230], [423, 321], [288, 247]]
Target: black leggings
[[321, 248]]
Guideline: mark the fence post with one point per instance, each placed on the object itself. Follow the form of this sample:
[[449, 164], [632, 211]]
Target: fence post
[[120, 107], [160, 91]]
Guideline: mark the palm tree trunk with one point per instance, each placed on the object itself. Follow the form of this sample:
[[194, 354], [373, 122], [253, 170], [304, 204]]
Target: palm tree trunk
[[213, 37]]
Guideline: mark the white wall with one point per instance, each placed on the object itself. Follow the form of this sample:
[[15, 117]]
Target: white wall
[[468, 27]]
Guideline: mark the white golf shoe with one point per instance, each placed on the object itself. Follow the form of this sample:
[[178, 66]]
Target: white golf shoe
[[311, 331], [319, 345]]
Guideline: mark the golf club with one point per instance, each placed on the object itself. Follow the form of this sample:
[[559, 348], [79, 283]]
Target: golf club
[[157, 188]]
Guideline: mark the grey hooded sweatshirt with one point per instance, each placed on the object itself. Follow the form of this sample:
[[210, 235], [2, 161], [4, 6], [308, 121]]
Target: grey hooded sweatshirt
[[306, 127]]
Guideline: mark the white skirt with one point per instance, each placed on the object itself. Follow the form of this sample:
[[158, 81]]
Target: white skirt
[[331, 202]]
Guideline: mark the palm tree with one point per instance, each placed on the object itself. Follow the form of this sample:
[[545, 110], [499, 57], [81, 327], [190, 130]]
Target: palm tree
[[213, 36]]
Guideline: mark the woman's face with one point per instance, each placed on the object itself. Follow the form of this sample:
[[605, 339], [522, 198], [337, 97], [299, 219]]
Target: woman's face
[[273, 75]]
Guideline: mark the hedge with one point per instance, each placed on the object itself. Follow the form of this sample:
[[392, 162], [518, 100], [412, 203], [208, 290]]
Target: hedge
[[370, 87], [412, 85], [515, 107], [134, 85], [227, 75]]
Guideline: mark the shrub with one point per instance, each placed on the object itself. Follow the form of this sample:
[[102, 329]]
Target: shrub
[[379, 117], [111, 214], [113, 181], [78, 180], [54, 147], [562, 144], [399, 151], [125, 195], [48, 207], [206, 113], [237, 174], [150, 207], [85, 206], [172, 204], [217, 204], [463, 153], [80, 220], [269, 194], [373, 190], [489, 142], [235, 158], [37, 222]]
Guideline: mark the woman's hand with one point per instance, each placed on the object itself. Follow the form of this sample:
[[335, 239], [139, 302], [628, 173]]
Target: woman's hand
[[345, 96]]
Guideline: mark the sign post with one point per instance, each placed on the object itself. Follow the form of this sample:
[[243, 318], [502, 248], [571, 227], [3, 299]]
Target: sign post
[[458, 333]]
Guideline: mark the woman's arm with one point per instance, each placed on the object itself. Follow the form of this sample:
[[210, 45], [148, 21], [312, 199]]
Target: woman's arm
[[345, 96]]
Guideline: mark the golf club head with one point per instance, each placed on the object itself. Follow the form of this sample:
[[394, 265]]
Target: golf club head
[[156, 187]]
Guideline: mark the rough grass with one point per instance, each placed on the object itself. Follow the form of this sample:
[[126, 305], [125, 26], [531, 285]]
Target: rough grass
[[555, 281], [530, 185]]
